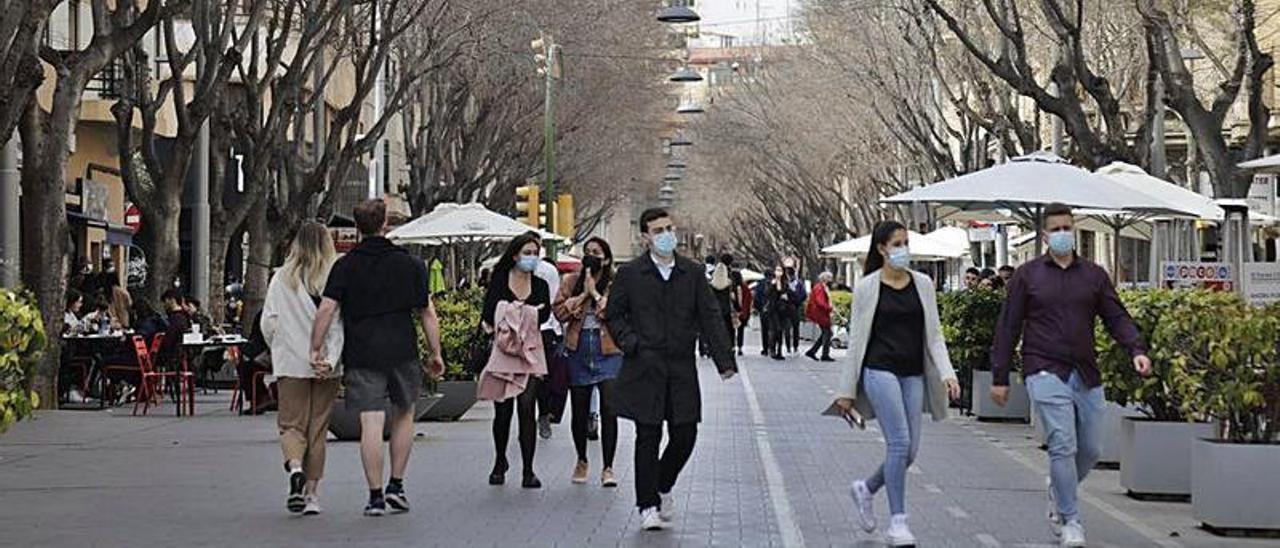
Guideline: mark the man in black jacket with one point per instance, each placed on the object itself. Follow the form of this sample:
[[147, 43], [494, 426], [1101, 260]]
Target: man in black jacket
[[659, 304]]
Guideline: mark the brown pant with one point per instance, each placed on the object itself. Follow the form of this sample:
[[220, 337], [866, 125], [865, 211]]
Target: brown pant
[[303, 419]]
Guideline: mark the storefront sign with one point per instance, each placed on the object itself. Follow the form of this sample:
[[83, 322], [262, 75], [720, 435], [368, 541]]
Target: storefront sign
[[1261, 282], [982, 232], [1189, 275], [94, 197], [344, 238], [1262, 194]]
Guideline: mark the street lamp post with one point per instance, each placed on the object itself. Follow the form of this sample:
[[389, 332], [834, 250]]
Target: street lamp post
[[547, 53]]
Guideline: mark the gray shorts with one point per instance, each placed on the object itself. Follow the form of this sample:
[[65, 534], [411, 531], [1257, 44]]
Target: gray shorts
[[369, 389]]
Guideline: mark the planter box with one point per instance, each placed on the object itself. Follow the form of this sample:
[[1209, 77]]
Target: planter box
[[459, 397], [345, 424], [1018, 408], [1161, 456], [1234, 486]]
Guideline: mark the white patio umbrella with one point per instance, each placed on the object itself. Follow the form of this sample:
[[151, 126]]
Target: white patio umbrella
[[923, 248], [1026, 184], [1265, 164], [750, 276], [451, 223]]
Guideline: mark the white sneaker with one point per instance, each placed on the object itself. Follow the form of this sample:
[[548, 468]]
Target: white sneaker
[[668, 508], [1073, 534], [862, 503], [898, 533], [651, 520], [313, 506], [1055, 523]]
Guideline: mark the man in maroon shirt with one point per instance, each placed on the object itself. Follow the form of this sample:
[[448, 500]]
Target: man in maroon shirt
[[1052, 303]]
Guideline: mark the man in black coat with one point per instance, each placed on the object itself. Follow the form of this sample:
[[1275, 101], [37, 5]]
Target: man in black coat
[[659, 304]]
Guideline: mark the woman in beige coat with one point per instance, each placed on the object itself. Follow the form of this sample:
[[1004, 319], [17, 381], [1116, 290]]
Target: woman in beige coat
[[898, 368], [306, 391]]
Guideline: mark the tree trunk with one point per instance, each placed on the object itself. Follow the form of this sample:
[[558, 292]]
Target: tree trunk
[[160, 226], [260, 251], [45, 233], [219, 241]]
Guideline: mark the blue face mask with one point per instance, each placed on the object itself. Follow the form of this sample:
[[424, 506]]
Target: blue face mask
[[665, 244], [1062, 244], [900, 257], [527, 263]]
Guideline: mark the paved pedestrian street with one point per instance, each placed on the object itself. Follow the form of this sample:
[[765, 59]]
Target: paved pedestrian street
[[767, 471]]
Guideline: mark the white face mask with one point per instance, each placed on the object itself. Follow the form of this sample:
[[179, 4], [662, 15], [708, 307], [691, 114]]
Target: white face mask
[[900, 258]]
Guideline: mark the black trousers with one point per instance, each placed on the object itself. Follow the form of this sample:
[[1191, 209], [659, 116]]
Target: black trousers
[[656, 474], [522, 406], [581, 399], [822, 342], [779, 331], [742, 334], [765, 336], [793, 331]]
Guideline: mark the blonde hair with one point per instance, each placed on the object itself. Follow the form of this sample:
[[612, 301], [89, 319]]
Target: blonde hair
[[310, 258]]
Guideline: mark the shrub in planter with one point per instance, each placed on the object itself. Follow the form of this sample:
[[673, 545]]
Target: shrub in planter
[[1234, 377], [841, 308], [1174, 323], [969, 325], [22, 339], [459, 313]]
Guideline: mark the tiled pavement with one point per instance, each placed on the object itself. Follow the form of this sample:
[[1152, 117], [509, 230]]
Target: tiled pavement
[[768, 471]]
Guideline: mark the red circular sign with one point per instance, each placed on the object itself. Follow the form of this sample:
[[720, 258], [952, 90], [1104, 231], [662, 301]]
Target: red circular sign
[[133, 218]]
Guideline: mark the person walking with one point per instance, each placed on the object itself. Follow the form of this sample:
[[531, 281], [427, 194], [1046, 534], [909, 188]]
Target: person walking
[[658, 306], [376, 288], [722, 286], [594, 357], [898, 368], [514, 281], [818, 311], [1051, 306], [777, 309], [796, 296], [760, 301], [551, 399], [745, 304], [305, 390]]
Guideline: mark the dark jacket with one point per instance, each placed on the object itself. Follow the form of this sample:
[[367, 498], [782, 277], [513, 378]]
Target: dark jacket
[[657, 323], [379, 287]]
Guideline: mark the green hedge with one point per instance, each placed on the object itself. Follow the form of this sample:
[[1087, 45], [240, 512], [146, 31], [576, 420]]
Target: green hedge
[[969, 326], [841, 308], [459, 313], [1213, 356], [22, 339]]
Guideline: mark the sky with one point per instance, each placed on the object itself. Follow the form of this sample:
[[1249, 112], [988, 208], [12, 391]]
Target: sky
[[738, 18]]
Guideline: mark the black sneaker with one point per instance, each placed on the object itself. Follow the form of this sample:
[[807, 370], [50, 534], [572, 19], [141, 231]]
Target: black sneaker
[[297, 502], [396, 499], [544, 427], [377, 507], [593, 427]]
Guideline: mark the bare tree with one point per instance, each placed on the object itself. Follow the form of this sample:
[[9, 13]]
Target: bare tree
[[20, 70], [45, 139], [222, 31]]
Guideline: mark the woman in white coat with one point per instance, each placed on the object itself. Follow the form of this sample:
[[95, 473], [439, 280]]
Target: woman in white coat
[[898, 368], [306, 392]]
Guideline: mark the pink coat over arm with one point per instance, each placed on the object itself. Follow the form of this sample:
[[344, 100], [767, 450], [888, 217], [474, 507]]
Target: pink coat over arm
[[517, 353]]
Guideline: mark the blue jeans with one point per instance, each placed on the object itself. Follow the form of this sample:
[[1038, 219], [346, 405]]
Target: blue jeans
[[898, 403], [1072, 415]]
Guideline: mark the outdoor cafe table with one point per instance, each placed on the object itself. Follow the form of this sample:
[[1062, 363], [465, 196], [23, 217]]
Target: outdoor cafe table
[[91, 345], [199, 347]]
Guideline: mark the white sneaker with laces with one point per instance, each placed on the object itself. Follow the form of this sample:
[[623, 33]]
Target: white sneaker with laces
[[1055, 523], [862, 503], [898, 533], [651, 520], [313, 506], [1073, 534], [668, 508]]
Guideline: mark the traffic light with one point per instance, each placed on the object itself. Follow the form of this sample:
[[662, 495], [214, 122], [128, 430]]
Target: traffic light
[[528, 205], [564, 216]]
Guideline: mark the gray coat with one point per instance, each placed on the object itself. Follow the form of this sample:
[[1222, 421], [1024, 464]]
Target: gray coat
[[937, 362], [656, 323]]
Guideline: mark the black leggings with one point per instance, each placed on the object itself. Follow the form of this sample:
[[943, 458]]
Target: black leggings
[[581, 396], [523, 405]]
